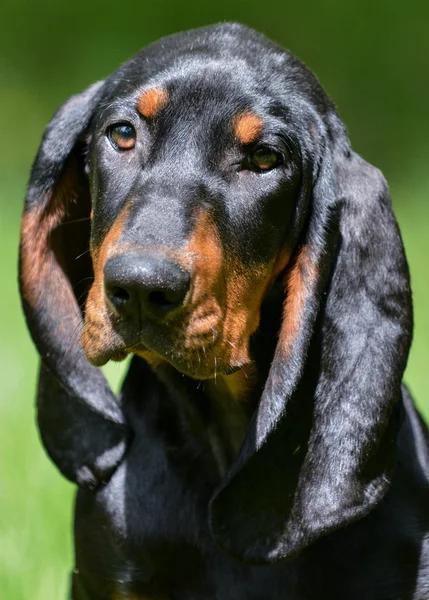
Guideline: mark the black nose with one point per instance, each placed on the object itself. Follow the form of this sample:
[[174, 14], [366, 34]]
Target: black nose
[[146, 286]]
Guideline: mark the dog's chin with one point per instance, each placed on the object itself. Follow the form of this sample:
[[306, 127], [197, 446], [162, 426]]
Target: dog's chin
[[199, 368]]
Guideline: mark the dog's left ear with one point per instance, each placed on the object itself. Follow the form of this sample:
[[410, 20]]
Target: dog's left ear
[[80, 421], [322, 445]]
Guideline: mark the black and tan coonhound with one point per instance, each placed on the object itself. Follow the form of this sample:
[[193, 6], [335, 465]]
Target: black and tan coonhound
[[202, 210]]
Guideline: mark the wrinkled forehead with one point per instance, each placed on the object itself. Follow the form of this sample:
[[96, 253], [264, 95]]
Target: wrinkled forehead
[[202, 87]]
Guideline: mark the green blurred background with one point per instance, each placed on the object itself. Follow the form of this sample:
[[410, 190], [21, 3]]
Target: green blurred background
[[372, 58]]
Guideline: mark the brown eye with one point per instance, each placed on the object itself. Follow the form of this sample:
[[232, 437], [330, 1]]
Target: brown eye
[[122, 136], [264, 159]]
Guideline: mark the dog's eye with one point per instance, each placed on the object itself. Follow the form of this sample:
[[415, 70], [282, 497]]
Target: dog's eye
[[264, 159], [122, 136]]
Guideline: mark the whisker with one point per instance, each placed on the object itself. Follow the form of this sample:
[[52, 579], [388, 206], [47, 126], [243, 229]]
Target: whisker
[[82, 254], [82, 280], [230, 343], [81, 220], [82, 297]]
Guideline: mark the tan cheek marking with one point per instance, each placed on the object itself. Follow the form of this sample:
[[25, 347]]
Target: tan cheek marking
[[245, 292], [99, 255], [204, 255], [98, 334], [247, 127], [205, 244], [151, 102], [226, 296], [299, 281]]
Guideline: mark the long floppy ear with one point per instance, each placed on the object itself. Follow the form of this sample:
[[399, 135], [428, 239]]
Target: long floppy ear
[[322, 445], [80, 421]]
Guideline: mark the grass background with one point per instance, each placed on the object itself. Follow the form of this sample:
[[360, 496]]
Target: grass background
[[373, 59]]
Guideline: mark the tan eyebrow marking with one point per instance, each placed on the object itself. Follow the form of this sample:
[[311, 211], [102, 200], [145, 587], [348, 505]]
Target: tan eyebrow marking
[[151, 102], [247, 127]]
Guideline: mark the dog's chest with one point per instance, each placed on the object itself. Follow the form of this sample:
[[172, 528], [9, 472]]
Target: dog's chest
[[145, 535]]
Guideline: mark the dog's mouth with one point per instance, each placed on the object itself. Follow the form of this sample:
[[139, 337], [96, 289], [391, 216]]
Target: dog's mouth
[[197, 342]]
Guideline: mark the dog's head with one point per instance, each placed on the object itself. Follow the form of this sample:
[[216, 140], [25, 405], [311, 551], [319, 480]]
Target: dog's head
[[164, 205]]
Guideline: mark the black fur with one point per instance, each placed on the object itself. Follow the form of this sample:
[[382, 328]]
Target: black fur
[[327, 496]]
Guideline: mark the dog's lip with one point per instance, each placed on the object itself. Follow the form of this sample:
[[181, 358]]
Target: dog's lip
[[119, 354], [230, 370], [139, 348], [99, 359]]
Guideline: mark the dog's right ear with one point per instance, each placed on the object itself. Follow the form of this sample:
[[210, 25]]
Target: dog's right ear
[[80, 421]]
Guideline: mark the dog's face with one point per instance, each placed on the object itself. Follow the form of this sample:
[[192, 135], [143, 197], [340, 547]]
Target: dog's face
[[195, 175]]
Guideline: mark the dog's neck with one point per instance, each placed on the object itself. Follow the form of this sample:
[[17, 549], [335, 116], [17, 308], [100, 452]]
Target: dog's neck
[[231, 401], [219, 410]]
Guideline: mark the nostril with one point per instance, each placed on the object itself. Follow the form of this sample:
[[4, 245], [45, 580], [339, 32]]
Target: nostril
[[163, 300], [118, 295]]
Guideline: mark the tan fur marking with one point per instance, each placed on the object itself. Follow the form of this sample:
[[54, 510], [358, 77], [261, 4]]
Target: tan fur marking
[[224, 306], [204, 255], [247, 127], [299, 280], [98, 335], [205, 251], [38, 263], [244, 294], [151, 102], [35, 253], [99, 255]]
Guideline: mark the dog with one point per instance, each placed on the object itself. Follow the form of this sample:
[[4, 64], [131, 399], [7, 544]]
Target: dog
[[202, 210]]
